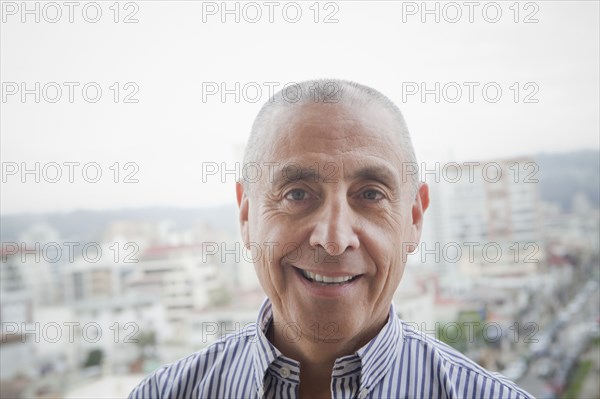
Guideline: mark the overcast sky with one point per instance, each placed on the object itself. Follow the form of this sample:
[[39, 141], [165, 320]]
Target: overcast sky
[[177, 50]]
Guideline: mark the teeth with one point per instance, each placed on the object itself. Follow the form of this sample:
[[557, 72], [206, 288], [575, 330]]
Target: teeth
[[336, 279], [325, 279]]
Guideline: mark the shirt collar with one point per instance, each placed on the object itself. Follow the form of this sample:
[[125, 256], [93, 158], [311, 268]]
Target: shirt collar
[[374, 358], [377, 355], [267, 356]]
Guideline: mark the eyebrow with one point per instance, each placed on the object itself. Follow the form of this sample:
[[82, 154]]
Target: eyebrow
[[296, 173], [378, 173]]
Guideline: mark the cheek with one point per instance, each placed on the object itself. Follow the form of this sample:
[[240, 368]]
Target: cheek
[[276, 237], [390, 273], [387, 242], [269, 278], [267, 249]]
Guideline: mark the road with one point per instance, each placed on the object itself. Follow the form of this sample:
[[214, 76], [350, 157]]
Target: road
[[547, 373]]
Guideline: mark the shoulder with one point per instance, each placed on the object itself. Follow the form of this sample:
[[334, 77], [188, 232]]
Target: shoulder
[[457, 374], [188, 375]]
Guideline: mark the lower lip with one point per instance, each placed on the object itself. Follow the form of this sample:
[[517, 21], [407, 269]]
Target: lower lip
[[326, 291]]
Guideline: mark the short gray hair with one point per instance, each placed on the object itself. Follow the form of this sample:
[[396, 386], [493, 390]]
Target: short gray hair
[[326, 91]]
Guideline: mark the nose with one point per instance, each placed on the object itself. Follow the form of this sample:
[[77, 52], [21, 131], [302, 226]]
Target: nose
[[335, 228]]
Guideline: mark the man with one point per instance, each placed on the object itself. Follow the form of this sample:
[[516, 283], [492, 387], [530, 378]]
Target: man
[[330, 220]]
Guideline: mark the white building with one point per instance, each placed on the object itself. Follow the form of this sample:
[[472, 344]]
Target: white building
[[485, 218], [183, 278]]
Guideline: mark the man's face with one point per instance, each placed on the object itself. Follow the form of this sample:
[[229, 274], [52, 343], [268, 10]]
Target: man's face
[[329, 222]]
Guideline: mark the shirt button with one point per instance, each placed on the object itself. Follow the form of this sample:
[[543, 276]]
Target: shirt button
[[362, 394], [260, 392], [284, 372]]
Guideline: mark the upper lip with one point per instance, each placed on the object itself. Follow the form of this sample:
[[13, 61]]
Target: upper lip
[[329, 273]]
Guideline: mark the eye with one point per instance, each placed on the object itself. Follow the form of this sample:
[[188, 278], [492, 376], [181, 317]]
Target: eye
[[372, 195], [296, 194]]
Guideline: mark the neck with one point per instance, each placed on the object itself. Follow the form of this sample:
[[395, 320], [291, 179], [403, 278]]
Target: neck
[[316, 354], [316, 361]]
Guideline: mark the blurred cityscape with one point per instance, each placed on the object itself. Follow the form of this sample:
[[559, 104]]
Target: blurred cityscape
[[507, 272]]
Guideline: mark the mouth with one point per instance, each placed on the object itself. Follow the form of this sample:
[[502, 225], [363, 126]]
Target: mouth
[[327, 281]]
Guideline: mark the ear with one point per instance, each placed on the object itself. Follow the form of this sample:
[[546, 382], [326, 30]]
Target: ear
[[420, 205], [242, 200]]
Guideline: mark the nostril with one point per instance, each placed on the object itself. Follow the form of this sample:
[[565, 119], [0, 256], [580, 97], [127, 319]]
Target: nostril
[[332, 248]]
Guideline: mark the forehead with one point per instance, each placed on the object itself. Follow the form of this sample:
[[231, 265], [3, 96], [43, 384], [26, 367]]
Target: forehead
[[338, 132]]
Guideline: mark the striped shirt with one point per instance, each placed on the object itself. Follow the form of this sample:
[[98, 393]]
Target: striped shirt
[[399, 362]]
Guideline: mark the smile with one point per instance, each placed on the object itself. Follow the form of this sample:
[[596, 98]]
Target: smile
[[326, 280]]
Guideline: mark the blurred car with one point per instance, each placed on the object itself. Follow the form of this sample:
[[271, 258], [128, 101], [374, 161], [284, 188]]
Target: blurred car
[[594, 330], [542, 346], [544, 368], [515, 370], [590, 287], [563, 318]]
